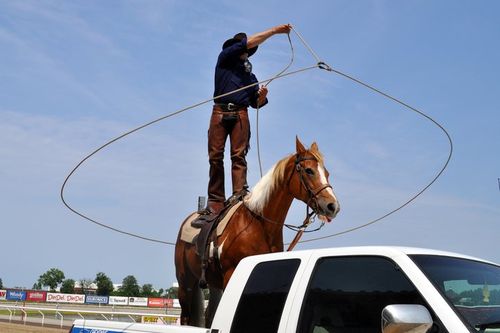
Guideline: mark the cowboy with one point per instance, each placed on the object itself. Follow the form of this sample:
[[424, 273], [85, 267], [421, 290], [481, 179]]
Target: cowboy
[[230, 117]]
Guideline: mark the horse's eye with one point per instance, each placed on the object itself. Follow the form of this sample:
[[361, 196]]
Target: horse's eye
[[309, 171]]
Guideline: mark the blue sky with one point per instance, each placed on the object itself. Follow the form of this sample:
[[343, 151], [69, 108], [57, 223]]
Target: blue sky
[[74, 75]]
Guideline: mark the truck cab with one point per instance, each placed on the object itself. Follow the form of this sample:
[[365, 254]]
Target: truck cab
[[360, 290]]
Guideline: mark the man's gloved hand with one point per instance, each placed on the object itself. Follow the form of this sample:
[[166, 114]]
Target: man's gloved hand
[[262, 95]]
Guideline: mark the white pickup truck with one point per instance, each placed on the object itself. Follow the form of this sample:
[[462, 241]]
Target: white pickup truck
[[350, 290]]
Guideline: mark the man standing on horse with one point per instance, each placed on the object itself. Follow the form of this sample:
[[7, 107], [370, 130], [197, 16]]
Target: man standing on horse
[[230, 118]]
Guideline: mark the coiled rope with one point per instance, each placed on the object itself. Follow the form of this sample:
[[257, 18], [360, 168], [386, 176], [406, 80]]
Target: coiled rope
[[320, 64]]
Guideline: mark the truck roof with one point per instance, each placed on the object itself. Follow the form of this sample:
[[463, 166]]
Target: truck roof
[[389, 251]]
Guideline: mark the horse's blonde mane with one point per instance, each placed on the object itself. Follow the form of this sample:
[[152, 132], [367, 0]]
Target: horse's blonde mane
[[259, 195]]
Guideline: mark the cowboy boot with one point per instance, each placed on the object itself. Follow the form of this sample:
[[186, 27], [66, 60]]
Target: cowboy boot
[[208, 214]]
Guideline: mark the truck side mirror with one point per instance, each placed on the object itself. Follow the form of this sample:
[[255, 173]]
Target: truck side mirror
[[401, 318]]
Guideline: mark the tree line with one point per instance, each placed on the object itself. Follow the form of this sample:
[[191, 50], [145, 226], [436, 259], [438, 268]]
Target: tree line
[[54, 278]]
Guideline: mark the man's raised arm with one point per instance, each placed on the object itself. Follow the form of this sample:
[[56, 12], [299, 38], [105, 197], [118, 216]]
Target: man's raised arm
[[260, 37]]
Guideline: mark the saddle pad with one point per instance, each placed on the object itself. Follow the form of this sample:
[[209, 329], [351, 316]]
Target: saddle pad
[[188, 233]]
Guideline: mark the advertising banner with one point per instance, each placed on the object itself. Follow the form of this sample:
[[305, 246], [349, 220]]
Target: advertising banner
[[93, 299], [158, 302], [118, 300], [3, 294], [65, 298], [15, 295], [138, 301], [36, 296]]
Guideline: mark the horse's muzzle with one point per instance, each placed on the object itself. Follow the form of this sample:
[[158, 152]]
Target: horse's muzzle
[[327, 208]]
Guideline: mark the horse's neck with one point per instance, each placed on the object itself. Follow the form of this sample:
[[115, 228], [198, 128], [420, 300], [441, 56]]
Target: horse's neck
[[272, 201], [277, 207], [275, 212]]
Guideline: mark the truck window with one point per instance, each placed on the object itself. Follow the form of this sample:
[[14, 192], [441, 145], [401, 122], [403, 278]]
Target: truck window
[[471, 287], [347, 295], [264, 296]]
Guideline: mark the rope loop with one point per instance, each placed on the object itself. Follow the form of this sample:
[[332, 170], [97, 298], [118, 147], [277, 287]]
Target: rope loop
[[281, 74]]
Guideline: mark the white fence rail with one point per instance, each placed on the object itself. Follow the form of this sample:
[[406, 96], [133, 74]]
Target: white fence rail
[[80, 312]]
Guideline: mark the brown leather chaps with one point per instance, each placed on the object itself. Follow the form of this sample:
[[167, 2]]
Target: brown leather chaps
[[236, 125]]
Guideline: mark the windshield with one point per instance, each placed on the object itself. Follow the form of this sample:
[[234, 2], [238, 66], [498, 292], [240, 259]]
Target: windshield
[[472, 287]]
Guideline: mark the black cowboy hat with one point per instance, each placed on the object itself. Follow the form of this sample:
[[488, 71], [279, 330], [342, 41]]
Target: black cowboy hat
[[237, 38]]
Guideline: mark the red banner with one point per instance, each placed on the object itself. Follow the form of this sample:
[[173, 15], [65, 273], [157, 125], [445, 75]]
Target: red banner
[[36, 296], [160, 302]]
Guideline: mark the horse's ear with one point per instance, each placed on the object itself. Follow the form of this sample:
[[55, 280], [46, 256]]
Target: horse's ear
[[314, 147], [299, 146]]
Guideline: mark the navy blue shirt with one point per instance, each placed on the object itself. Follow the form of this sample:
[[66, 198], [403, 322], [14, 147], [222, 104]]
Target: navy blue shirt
[[230, 74]]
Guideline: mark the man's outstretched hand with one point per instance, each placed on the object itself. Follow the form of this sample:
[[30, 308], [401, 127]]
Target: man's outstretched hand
[[282, 29]]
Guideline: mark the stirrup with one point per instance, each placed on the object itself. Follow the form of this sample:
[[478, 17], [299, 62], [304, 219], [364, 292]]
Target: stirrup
[[206, 216], [199, 222]]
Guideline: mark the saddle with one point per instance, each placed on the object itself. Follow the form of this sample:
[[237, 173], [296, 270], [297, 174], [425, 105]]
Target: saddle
[[205, 238]]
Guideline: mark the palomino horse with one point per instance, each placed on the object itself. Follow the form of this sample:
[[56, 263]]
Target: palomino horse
[[256, 227]]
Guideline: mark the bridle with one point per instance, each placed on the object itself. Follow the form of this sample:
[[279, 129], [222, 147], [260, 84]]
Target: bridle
[[313, 197], [311, 192]]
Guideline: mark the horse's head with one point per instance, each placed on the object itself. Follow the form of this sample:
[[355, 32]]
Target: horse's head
[[309, 181]]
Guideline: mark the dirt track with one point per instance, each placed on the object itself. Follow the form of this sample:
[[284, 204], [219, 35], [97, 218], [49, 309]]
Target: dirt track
[[20, 328]]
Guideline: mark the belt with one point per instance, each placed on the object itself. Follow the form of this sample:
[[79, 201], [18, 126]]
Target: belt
[[230, 106]]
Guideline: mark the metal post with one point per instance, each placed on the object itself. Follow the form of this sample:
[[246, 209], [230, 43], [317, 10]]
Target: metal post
[[62, 318], [24, 312], [201, 202], [43, 317]]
